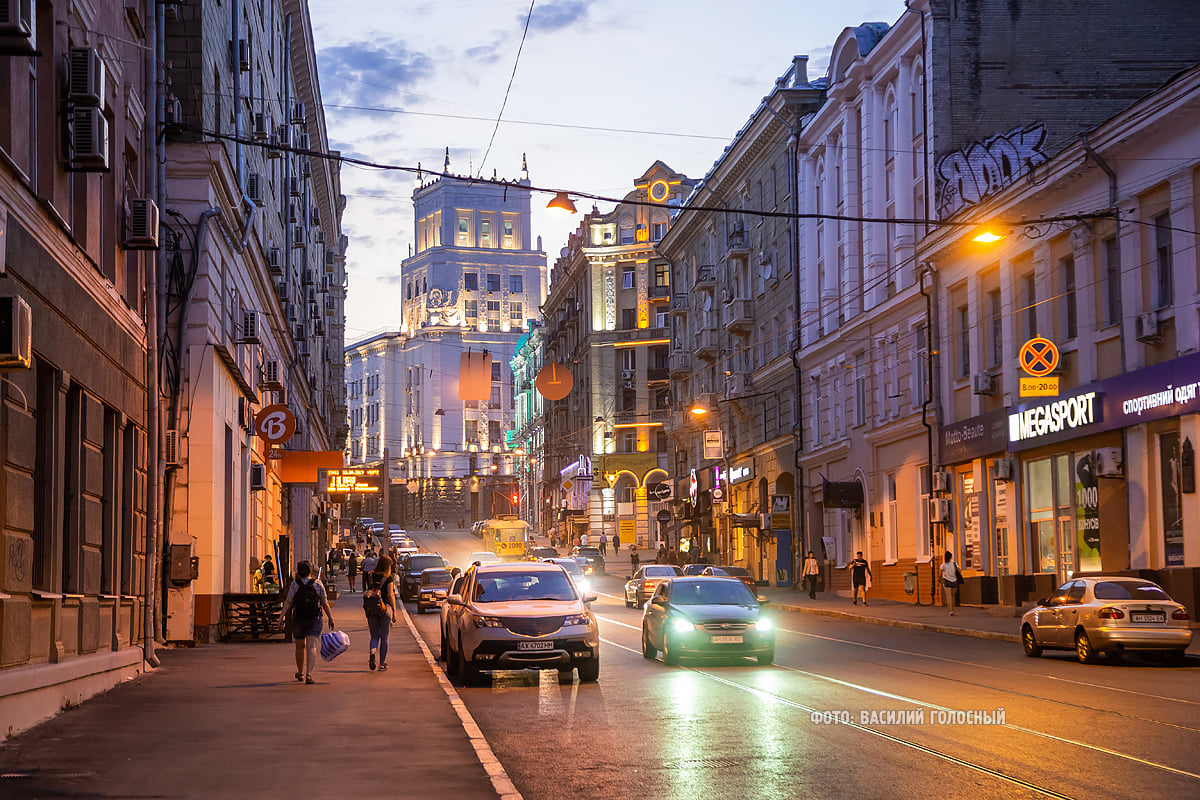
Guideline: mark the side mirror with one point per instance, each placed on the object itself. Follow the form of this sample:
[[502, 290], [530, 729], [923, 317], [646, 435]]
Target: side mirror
[[658, 601], [763, 600], [1043, 601], [455, 600], [589, 598]]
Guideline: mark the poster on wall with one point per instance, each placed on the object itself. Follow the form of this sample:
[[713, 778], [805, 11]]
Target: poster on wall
[[1172, 499], [1087, 513], [969, 524]]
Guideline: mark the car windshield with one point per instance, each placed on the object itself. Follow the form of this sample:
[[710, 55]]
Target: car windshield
[[503, 587], [704, 593], [1129, 590], [435, 576], [587, 551], [660, 572], [419, 563]]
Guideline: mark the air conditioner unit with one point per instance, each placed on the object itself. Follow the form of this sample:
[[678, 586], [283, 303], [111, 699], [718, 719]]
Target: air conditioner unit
[[302, 347], [245, 414], [170, 453], [301, 141], [941, 481], [85, 77], [984, 383], [305, 167], [314, 216], [298, 236], [295, 189], [89, 140], [320, 236], [330, 260], [306, 278], [1001, 469], [271, 375], [260, 126], [249, 330], [939, 509], [1148, 329], [1110, 462], [258, 477], [273, 145], [628, 374], [275, 261], [330, 307], [284, 134], [282, 291], [298, 113], [16, 333], [254, 187], [18, 27], [141, 225], [244, 52], [290, 310]]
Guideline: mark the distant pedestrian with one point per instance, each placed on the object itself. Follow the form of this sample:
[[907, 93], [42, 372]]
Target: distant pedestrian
[[635, 561], [810, 574], [379, 604], [951, 580], [673, 557], [860, 576], [661, 556], [603, 544], [583, 539], [352, 569], [367, 565], [616, 543], [305, 601]]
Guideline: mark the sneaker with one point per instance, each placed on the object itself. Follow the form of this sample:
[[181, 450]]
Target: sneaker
[[371, 662], [383, 667], [309, 679]]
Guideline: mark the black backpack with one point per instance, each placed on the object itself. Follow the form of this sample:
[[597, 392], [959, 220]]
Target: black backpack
[[373, 603], [306, 605]]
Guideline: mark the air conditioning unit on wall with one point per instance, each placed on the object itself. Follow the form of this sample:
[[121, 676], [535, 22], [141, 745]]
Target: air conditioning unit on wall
[[1110, 462], [941, 481], [16, 333], [939, 509], [141, 225], [85, 77], [1148, 328], [1001, 469], [984, 383], [18, 27], [88, 142]]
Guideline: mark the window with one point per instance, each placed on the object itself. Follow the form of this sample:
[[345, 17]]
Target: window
[[471, 430], [493, 306], [1165, 273], [658, 230], [920, 370], [662, 275], [516, 284], [495, 370], [860, 389], [508, 229], [891, 542], [660, 319], [471, 281], [471, 308], [494, 402], [1112, 281], [628, 318], [464, 231], [964, 341], [627, 278], [996, 328], [628, 399], [493, 282], [660, 441], [816, 409], [516, 313], [629, 441], [628, 358], [1029, 304], [1070, 322], [485, 233]]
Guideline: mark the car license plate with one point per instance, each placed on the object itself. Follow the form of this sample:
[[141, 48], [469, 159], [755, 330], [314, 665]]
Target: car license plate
[[1147, 616], [535, 645], [727, 639]]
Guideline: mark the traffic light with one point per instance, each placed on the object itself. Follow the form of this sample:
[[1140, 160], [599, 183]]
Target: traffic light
[[516, 498]]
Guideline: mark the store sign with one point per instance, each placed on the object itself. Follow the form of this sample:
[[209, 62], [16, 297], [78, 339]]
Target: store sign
[[714, 445], [741, 473], [1069, 414], [976, 437], [363, 480]]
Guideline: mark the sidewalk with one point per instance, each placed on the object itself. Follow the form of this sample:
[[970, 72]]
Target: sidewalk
[[230, 720]]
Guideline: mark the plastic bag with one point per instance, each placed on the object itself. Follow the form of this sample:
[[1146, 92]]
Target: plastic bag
[[333, 644]]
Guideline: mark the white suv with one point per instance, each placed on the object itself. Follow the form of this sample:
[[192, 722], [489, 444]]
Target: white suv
[[521, 615]]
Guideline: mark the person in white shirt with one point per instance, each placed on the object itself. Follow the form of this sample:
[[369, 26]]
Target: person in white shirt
[[951, 578], [810, 573]]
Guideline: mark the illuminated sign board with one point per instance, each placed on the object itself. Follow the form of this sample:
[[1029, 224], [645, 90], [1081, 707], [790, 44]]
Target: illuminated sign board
[[361, 480], [741, 472]]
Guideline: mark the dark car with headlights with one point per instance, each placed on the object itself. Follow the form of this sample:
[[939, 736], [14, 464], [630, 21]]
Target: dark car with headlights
[[411, 567], [433, 588], [706, 617], [589, 558]]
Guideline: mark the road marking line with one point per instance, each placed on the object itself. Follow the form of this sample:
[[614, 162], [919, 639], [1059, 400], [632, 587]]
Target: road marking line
[[483, 751]]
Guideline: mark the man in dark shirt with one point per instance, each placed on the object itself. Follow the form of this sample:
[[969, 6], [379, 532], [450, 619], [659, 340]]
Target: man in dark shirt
[[860, 572]]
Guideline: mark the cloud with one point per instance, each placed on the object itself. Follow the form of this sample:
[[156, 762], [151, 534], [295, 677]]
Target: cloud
[[556, 16], [367, 73]]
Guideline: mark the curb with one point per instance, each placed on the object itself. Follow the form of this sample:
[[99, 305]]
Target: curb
[[903, 623]]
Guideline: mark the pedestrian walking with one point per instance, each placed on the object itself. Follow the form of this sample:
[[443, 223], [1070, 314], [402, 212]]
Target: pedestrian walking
[[634, 560], [603, 544], [367, 565], [352, 569], [661, 556], [616, 543], [810, 573], [860, 576], [379, 604], [951, 579], [305, 601], [583, 539]]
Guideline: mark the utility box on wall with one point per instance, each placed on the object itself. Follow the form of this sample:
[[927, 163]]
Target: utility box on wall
[[182, 569]]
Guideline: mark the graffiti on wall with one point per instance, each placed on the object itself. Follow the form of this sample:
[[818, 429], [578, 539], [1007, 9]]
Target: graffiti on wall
[[966, 176]]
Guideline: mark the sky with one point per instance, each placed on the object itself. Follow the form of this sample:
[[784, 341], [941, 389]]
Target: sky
[[601, 90]]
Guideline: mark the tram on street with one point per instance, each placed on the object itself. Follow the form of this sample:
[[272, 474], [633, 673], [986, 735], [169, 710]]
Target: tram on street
[[507, 537]]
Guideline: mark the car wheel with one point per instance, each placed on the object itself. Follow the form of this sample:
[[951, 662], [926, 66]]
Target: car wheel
[[1029, 642], [766, 658], [628, 604], [468, 673], [648, 650], [1083, 648], [589, 671], [1176, 658], [670, 654], [442, 654]]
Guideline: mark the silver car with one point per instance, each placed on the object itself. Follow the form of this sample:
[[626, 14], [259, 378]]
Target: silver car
[[643, 583], [1109, 615]]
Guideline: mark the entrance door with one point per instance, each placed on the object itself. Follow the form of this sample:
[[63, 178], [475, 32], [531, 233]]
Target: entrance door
[[1049, 498]]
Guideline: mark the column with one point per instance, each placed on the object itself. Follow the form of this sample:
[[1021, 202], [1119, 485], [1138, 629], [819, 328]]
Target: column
[[903, 143], [1132, 297], [1183, 259], [1087, 282]]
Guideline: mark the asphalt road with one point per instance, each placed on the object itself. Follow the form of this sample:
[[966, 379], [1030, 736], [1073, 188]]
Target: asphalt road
[[847, 709]]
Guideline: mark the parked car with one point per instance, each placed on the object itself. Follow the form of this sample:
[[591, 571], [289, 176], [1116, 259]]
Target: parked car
[[741, 573], [1109, 615], [584, 582], [542, 553], [643, 582], [455, 588], [397, 535], [520, 615], [706, 616], [589, 558], [433, 588], [411, 567], [694, 569]]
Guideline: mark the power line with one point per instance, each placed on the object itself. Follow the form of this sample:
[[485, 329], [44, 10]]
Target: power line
[[512, 77]]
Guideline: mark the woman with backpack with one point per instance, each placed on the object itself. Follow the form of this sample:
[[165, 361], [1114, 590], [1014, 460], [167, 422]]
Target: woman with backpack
[[305, 601], [379, 604]]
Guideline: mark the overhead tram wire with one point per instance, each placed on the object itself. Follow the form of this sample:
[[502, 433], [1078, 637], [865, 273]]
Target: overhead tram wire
[[511, 78]]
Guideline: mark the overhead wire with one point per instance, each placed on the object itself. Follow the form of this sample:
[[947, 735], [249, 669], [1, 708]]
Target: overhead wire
[[508, 90]]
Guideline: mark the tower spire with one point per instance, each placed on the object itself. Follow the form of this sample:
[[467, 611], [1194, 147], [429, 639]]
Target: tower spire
[[446, 166], [524, 167]]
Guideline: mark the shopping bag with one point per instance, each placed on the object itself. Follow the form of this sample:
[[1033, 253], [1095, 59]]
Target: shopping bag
[[333, 644]]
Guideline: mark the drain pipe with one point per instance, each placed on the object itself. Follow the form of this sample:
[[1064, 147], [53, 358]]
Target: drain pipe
[[931, 271]]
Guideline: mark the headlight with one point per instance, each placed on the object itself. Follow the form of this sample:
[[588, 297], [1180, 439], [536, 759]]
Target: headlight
[[763, 625], [682, 625], [578, 619], [488, 622]]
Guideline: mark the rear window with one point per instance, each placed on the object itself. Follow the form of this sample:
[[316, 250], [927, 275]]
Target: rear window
[[661, 572], [1129, 590], [435, 576], [419, 563], [503, 587]]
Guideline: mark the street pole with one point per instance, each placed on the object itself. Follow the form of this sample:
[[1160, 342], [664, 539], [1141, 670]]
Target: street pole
[[386, 475]]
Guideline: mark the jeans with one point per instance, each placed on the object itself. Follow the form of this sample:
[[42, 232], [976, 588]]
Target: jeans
[[811, 580], [380, 626]]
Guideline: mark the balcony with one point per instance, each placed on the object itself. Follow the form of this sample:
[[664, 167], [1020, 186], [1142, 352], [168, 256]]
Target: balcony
[[681, 364], [655, 374], [708, 346], [739, 315], [738, 384], [737, 243], [679, 303], [706, 277], [660, 294]]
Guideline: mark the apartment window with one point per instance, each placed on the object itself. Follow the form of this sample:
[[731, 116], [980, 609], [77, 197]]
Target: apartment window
[[662, 399], [628, 399], [508, 229], [627, 278], [1029, 301], [816, 409], [493, 307], [996, 328], [627, 233], [494, 428], [516, 313], [494, 402], [1066, 268], [516, 284], [464, 230], [471, 430], [658, 230], [660, 319], [471, 308], [1112, 281], [660, 441], [860, 389], [495, 370], [891, 545], [1165, 272], [964, 341], [628, 358], [485, 233], [629, 441], [628, 318], [493, 282], [471, 281], [923, 543], [920, 369], [662, 275]]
